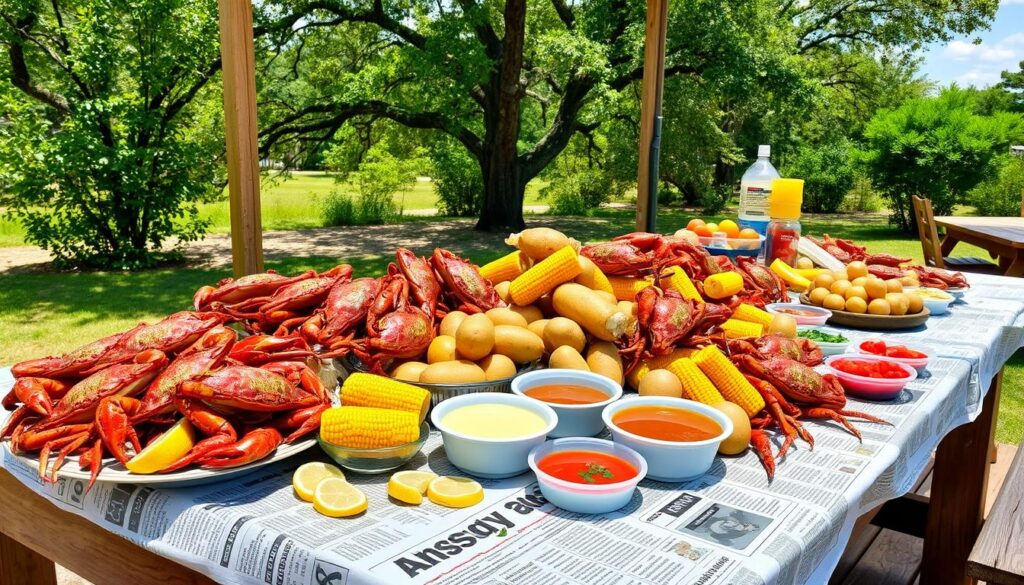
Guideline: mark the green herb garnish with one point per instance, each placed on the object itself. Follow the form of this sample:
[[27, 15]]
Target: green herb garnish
[[594, 469], [815, 335]]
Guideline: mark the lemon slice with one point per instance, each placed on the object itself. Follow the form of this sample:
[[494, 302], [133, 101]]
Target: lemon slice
[[309, 475], [409, 486], [166, 449], [455, 492], [336, 497]]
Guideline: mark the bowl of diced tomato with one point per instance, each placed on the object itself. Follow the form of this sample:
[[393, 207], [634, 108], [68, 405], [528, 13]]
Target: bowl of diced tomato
[[871, 376], [914, 357]]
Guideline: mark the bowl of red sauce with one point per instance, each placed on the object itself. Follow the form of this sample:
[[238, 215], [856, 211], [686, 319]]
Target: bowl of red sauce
[[871, 376], [585, 475], [577, 397], [677, 437], [914, 357]]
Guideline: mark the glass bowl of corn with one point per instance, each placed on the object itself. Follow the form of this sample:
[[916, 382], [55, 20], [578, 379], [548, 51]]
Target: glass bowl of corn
[[374, 459]]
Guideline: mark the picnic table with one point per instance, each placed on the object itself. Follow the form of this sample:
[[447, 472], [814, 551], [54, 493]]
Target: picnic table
[[728, 526], [1001, 236]]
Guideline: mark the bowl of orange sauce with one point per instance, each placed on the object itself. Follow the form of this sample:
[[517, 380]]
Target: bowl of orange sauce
[[577, 397], [585, 475], [677, 437]]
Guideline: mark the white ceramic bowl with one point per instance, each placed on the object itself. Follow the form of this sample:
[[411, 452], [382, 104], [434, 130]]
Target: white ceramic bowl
[[827, 347], [670, 461], [574, 420], [581, 497], [487, 457], [936, 305], [811, 315]]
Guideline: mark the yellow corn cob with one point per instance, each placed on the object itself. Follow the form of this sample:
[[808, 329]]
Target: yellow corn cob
[[601, 281], [750, 313], [728, 379], [365, 427], [696, 385], [736, 328], [362, 389], [625, 288], [680, 282], [656, 363], [544, 276], [507, 267], [723, 285]]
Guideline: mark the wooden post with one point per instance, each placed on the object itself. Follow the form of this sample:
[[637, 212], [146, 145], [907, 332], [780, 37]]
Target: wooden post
[[650, 108], [239, 70]]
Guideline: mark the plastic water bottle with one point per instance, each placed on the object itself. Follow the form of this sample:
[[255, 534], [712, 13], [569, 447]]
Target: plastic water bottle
[[756, 190]]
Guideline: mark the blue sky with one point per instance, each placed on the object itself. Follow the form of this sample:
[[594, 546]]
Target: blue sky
[[962, 61]]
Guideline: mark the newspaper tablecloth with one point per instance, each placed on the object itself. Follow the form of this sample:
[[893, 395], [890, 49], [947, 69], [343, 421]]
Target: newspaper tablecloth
[[729, 526]]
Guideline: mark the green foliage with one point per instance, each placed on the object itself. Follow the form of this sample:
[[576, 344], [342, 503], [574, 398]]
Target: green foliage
[[457, 180], [378, 178], [827, 171], [110, 135], [936, 148], [338, 209], [1013, 83], [715, 200], [578, 186], [862, 197], [1001, 194]]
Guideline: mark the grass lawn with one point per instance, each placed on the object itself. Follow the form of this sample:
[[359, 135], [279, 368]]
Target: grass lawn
[[47, 313]]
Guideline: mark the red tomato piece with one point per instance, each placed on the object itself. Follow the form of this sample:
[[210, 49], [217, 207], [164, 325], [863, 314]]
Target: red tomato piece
[[874, 347]]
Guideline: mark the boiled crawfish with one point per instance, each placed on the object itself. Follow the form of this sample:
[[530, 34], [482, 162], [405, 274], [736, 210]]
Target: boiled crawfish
[[466, 290], [664, 320]]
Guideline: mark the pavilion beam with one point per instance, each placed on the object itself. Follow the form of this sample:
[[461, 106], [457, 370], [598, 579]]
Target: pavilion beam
[[239, 71], [650, 115]]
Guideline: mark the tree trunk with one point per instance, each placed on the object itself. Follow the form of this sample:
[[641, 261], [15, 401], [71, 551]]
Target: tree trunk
[[502, 207]]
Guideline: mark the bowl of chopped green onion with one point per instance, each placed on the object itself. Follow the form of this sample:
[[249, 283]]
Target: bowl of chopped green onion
[[831, 341]]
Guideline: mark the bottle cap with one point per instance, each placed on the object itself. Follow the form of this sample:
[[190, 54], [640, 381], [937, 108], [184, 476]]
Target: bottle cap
[[764, 150], [786, 198]]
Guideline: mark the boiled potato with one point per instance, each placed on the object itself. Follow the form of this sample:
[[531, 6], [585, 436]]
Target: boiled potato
[[824, 280], [908, 281], [475, 337], [784, 325], [856, 305], [875, 288], [529, 312], [502, 289], [894, 286], [409, 371], [840, 275], [856, 291], [539, 243], [562, 331], [834, 302], [840, 287], [450, 323], [506, 316], [804, 263], [442, 349], [518, 343], [737, 442], [859, 281], [898, 303], [452, 372], [660, 383], [879, 307], [538, 327], [857, 268], [565, 357], [603, 358], [914, 303], [818, 295], [607, 296], [497, 367]]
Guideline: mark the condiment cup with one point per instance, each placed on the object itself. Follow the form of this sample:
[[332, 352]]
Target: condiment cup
[[814, 315], [574, 420], [489, 457], [827, 347], [936, 304], [871, 388], [581, 497], [918, 364], [670, 461]]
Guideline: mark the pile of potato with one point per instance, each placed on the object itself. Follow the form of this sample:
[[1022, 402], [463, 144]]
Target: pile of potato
[[857, 291]]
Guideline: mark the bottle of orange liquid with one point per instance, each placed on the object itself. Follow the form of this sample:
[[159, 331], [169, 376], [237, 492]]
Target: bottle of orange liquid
[[783, 237]]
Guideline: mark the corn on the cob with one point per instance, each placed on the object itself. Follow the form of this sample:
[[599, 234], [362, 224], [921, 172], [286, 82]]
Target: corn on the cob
[[625, 288], [656, 363], [507, 267], [735, 328], [363, 389], [750, 313], [680, 282], [723, 285], [365, 427], [601, 281], [728, 379], [544, 276], [696, 386]]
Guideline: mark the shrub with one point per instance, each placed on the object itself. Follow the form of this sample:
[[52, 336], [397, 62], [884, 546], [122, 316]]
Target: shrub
[[862, 197], [827, 171], [457, 181], [1000, 195], [579, 192], [716, 199], [339, 209]]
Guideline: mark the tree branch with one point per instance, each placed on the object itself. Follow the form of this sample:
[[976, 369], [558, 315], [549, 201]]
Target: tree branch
[[375, 15], [22, 79], [565, 13]]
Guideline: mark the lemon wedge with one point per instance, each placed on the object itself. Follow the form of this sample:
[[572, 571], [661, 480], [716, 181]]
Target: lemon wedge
[[166, 449], [455, 492], [309, 475], [336, 497], [409, 486]]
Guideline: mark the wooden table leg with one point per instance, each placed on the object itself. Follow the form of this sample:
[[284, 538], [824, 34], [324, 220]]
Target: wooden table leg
[[948, 243], [1017, 266], [957, 506], [20, 565]]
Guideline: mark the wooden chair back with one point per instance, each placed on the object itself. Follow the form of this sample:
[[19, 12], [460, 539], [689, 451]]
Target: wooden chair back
[[927, 232]]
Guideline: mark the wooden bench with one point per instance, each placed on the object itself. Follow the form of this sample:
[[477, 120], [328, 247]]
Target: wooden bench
[[998, 554]]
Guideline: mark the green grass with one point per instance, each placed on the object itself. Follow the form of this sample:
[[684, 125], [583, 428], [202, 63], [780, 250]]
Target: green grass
[[47, 313]]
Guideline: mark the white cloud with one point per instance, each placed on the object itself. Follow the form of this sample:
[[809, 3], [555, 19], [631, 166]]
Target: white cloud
[[979, 77], [1011, 2], [964, 51]]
